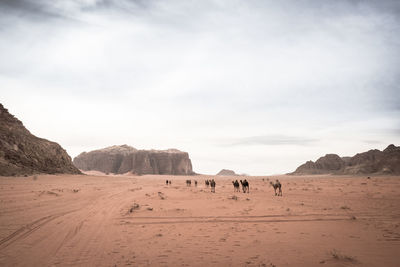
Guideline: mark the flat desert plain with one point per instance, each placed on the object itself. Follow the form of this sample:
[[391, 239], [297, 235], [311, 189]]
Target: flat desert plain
[[92, 220]]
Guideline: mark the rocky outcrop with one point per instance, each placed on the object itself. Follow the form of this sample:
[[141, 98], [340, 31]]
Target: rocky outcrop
[[330, 163], [225, 172], [23, 153], [370, 162], [123, 159]]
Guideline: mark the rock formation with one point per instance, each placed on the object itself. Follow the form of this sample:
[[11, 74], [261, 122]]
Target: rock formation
[[23, 153], [225, 172], [123, 159], [370, 162]]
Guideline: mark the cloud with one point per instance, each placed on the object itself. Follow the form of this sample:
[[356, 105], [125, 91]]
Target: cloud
[[373, 142], [274, 140], [186, 74], [39, 11]]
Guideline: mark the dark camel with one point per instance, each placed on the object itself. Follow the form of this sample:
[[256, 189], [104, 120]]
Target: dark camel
[[245, 186], [236, 186], [212, 183]]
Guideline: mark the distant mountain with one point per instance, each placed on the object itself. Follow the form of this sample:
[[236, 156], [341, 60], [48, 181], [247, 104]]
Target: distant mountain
[[225, 172], [124, 158], [23, 153], [370, 162]]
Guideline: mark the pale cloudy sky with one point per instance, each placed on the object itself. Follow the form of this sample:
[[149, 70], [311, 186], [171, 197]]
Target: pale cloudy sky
[[255, 86]]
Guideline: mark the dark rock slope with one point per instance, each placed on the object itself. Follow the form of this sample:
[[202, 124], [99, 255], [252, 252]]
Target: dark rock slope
[[23, 153], [370, 162], [123, 159]]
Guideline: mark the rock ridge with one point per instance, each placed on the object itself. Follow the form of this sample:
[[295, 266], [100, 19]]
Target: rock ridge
[[225, 172], [371, 162]]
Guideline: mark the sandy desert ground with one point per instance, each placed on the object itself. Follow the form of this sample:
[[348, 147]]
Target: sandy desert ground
[[90, 220]]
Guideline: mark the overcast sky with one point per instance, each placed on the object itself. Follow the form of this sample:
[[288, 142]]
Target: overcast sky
[[255, 86]]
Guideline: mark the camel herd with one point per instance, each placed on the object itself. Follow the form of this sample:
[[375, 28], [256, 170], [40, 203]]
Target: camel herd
[[236, 185], [210, 183]]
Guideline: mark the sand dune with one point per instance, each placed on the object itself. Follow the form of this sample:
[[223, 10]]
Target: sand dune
[[111, 220]]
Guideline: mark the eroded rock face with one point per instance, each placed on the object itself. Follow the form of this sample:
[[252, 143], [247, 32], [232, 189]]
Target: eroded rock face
[[23, 153], [370, 162], [123, 159]]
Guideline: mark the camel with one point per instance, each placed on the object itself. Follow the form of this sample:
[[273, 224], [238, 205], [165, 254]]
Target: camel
[[188, 182], [277, 185], [236, 187], [245, 186], [212, 183]]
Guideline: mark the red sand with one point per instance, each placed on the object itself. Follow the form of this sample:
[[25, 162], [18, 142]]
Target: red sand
[[86, 221]]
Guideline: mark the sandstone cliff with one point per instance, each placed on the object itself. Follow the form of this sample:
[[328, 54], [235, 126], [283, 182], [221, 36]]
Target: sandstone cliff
[[370, 162], [23, 153], [123, 159], [225, 172]]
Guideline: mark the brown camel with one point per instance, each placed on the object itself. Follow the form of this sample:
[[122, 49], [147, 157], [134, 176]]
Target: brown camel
[[277, 185]]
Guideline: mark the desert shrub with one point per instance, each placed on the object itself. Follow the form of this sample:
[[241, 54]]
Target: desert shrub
[[134, 207], [341, 257], [161, 195], [234, 197]]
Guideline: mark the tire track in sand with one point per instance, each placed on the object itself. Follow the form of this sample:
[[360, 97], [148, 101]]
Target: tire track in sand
[[29, 228], [239, 219]]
